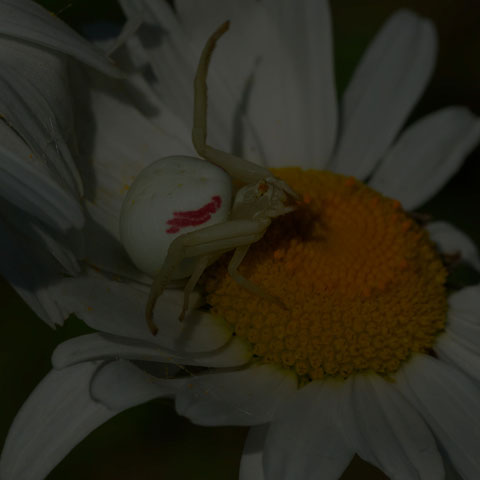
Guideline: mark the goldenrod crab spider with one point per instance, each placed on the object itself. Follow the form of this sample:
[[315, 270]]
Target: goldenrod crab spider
[[181, 193]]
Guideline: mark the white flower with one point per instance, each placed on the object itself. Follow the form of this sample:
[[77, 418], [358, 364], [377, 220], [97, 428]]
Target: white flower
[[287, 114]]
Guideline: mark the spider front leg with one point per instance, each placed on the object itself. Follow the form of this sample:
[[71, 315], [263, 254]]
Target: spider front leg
[[200, 266], [206, 244], [238, 168], [233, 265]]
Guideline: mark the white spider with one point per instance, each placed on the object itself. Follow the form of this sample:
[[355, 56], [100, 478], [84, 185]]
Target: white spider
[[178, 194]]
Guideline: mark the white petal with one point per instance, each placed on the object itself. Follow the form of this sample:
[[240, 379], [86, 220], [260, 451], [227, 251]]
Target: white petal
[[464, 314], [26, 20], [163, 43], [119, 309], [305, 440], [36, 101], [303, 55], [245, 397], [174, 59], [291, 98], [392, 433], [307, 35], [451, 240], [120, 385], [427, 155], [56, 417], [28, 184], [466, 301], [459, 353], [460, 344], [450, 404], [251, 463], [98, 346], [385, 87], [123, 141], [271, 91], [464, 329]]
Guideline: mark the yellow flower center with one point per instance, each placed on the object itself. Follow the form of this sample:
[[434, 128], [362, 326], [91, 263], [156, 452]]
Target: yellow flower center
[[362, 283]]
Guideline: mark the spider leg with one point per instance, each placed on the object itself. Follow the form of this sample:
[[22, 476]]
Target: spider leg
[[200, 266], [176, 253], [238, 168], [206, 242], [233, 265]]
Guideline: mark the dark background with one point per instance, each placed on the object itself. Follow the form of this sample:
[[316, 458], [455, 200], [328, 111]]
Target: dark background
[[151, 441]]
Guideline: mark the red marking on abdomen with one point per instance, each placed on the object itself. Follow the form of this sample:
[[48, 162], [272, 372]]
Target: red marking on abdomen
[[192, 218]]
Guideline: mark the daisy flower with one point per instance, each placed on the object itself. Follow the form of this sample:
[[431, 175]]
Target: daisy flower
[[373, 354]]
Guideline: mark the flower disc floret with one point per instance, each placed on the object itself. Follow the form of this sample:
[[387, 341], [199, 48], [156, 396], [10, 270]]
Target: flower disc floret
[[362, 285]]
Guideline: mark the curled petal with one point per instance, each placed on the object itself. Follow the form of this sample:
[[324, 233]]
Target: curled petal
[[118, 308], [245, 397], [451, 241], [57, 416], [119, 385], [98, 346]]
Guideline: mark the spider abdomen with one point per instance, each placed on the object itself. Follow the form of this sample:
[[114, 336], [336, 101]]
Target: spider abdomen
[[172, 196]]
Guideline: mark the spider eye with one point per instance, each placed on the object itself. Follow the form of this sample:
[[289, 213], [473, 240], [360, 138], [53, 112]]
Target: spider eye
[[263, 188]]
